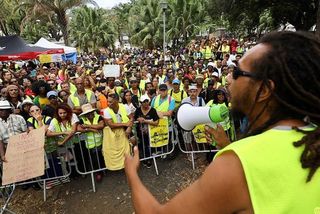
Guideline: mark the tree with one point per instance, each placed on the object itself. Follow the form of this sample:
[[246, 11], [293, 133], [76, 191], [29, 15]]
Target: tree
[[91, 28], [144, 23], [9, 18], [58, 7], [120, 16]]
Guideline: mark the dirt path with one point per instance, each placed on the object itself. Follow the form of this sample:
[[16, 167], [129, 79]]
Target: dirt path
[[113, 195]]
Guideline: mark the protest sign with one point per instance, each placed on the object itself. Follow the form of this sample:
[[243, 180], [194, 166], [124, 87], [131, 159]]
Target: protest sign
[[159, 135], [111, 70], [46, 58], [25, 157], [199, 134]]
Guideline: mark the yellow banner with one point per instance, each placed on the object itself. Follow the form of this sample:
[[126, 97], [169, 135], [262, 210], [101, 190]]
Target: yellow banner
[[159, 135], [199, 134], [46, 58]]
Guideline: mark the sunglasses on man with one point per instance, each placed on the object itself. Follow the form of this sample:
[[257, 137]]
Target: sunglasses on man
[[238, 73]]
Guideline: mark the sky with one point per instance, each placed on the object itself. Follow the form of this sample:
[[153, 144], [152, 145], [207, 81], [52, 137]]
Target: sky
[[110, 3]]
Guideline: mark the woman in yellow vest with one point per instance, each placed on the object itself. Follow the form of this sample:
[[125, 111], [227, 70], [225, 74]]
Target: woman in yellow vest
[[92, 124]]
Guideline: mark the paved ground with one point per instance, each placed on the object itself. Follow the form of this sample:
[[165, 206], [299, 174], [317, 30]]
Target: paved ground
[[113, 195]]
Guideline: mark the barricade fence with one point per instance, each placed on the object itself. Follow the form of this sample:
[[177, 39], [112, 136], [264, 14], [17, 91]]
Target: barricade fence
[[77, 156]]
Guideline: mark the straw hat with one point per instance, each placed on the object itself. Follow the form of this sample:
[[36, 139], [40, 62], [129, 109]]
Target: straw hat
[[86, 108]]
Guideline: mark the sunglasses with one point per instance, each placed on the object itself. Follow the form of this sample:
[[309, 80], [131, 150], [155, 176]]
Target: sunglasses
[[238, 73], [36, 110]]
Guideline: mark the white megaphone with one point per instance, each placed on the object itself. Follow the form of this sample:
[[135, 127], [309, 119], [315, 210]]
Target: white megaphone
[[189, 116]]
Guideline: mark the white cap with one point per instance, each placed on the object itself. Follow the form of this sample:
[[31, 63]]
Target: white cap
[[144, 97], [215, 74], [192, 87]]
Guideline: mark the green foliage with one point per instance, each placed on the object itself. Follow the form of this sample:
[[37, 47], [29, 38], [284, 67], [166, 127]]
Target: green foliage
[[91, 28]]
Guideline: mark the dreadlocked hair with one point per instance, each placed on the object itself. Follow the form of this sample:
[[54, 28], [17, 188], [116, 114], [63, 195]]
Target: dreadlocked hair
[[292, 63]]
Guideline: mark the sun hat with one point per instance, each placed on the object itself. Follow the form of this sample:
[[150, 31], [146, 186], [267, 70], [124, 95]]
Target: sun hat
[[86, 108], [4, 104]]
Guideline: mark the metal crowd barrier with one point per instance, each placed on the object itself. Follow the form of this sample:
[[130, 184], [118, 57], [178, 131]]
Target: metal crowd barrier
[[190, 146], [6, 193], [88, 161], [146, 150]]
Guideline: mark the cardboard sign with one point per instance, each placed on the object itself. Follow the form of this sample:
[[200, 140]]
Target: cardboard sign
[[46, 58], [25, 157], [111, 70]]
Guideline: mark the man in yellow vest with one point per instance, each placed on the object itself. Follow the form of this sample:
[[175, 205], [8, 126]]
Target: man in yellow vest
[[118, 115], [163, 103], [275, 169], [80, 97], [177, 94]]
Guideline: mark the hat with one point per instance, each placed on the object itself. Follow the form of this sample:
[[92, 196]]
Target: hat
[[86, 108], [133, 79], [117, 82], [192, 87], [26, 102], [98, 72], [211, 64], [144, 98], [44, 67], [199, 76], [163, 87], [4, 104], [215, 74], [52, 93], [176, 81]]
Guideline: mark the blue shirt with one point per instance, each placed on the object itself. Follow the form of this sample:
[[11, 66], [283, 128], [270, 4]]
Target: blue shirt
[[171, 105]]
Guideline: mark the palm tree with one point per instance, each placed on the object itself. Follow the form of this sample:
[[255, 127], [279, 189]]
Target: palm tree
[[57, 7], [91, 28], [144, 23]]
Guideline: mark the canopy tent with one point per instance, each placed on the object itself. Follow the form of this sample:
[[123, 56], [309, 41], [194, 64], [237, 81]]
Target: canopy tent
[[70, 52], [15, 48]]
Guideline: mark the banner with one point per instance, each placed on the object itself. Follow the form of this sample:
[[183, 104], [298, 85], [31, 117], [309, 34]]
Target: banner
[[25, 157], [199, 134], [111, 70], [159, 135], [46, 58]]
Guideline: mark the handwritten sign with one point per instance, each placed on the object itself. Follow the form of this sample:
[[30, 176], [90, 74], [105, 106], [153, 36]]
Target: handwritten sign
[[111, 70], [25, 157]]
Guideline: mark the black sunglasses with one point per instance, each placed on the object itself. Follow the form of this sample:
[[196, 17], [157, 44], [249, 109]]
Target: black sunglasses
[[238, 73]]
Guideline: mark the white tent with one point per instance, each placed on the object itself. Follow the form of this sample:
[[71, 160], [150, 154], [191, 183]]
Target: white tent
[[46, 44]]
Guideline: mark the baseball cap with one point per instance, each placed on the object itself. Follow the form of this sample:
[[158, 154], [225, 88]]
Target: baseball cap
[[176, 81], [215, 74], [163, 87], [144, 98], [192, 87], [52, 93]]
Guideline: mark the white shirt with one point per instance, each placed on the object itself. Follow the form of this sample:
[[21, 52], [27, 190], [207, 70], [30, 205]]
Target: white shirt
[[74, 119], [118, 116]]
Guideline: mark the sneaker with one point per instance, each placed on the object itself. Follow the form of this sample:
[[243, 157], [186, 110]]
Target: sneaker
[[99, 177], [148, 164]]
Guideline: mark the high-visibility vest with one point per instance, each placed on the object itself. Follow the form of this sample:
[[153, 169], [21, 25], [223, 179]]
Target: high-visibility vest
[[139, 92], [207, 52], [75, 100], [164, 106], [35, 123], [178, 97], [123, 112], [142, 84], [93, 139], [57, 127]]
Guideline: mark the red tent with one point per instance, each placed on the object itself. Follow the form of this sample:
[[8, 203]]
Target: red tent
[[15, 48]]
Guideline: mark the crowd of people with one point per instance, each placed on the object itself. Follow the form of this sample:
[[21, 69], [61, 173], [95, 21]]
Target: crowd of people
[[68, 98]]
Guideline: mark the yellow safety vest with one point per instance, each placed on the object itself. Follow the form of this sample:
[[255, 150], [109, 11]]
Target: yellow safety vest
[[164, 106], [35, 123], [207, 52], [93, 139], [178, 97], [75, 100], [57, 127], [142, 84], [123, 112]]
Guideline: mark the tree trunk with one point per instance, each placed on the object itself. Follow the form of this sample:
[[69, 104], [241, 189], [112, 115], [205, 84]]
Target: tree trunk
[[318, 22], [63, 22]]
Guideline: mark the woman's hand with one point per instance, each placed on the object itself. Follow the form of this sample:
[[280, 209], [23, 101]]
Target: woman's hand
[[141, 120]]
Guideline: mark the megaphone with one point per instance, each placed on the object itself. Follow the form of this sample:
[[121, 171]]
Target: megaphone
[[189, 116]]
